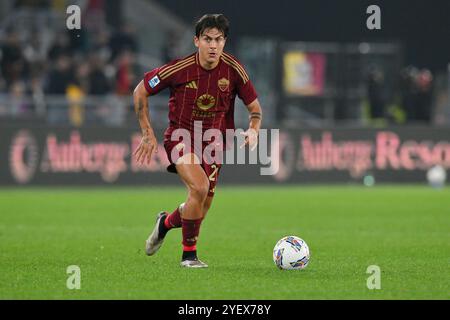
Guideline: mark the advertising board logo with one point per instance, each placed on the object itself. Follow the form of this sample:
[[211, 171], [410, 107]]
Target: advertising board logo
[[23, 157]]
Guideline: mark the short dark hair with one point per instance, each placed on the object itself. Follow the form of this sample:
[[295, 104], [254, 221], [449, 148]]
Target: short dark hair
[[210, 21]]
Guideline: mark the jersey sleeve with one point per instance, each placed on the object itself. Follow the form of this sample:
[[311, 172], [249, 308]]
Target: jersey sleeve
[[154, 83], [246, 91]]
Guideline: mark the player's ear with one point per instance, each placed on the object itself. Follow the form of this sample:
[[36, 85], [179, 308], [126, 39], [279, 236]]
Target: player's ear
[[196, 41]]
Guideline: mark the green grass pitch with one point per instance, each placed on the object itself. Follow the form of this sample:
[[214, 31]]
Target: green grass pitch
[[405, 230]]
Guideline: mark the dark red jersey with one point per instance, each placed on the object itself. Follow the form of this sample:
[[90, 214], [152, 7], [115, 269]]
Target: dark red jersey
[[197, 94]]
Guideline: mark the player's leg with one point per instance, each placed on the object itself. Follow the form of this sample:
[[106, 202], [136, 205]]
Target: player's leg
[[173, 220], [194, 177], [196, 181], [212, 172], [207, 205], [165, 221]]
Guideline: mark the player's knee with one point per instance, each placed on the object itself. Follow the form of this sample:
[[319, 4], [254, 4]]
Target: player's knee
[[200, 191]]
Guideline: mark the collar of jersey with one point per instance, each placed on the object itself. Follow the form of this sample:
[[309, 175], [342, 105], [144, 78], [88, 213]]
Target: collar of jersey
[[197, 61]]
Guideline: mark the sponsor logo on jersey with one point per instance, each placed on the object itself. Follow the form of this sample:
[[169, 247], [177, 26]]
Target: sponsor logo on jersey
[[203, 114], [223, 84], [192, 85], [153, 82], [206, 101]]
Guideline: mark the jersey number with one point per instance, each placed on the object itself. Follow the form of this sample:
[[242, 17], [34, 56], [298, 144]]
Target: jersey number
[[212, 176]]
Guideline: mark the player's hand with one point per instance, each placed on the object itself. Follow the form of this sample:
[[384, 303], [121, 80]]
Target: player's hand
[[251, 138], [146, 147]]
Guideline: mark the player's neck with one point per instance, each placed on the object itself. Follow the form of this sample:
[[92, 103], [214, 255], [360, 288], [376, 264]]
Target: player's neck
[[208, 66]]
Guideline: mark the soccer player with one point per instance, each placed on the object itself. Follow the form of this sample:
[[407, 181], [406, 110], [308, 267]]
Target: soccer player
[[203, 87]]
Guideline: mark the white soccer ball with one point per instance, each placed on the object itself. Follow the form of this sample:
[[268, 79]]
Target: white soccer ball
[[291, 253], [436, 176]]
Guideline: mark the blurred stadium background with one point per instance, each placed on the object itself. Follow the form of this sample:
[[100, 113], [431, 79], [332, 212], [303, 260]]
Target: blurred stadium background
[[349, 101], [354, 106]]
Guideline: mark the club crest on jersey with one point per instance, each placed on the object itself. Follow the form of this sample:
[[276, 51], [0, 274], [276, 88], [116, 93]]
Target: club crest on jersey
[[223, 84], [206, 101], [153, 82]]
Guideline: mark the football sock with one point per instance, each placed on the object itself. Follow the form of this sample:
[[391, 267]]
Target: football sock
[[173, 220], [190, 231], [189, 255]]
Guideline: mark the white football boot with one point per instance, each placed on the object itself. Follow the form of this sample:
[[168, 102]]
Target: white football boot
[[193, 264], [154, 241]]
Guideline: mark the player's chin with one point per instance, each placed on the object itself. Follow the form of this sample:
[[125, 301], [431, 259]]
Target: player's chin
[[213, 58]]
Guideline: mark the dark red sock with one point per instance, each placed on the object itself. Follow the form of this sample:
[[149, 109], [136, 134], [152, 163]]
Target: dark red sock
[[173, 220], [190, 230]]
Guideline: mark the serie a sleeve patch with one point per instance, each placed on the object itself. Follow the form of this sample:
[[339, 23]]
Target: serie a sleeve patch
[[153, 82]]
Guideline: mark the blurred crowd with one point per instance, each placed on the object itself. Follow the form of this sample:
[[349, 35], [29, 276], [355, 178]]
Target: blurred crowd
[[59, 74], [415, 93], [73, 62], [416, 89]]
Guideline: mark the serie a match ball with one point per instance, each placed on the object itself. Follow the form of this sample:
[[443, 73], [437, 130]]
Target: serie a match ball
[[291, 253], [436, 176]]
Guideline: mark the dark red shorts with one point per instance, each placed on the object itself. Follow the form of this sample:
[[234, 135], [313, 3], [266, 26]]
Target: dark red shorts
[[212, 170]]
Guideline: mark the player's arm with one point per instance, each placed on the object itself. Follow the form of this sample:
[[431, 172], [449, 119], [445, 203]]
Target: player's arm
[[255, 117], [148, 143]]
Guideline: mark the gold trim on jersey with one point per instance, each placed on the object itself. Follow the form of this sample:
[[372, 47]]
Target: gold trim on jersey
[[232, 62], [192, 85], [236, 63], [165, 69], [176, 67]]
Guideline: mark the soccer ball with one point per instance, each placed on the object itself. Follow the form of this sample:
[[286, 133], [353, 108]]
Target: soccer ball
[[291, 253], [436, 176]]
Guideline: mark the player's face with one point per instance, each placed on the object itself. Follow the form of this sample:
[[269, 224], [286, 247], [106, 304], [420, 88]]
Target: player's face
[[210, 46]]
